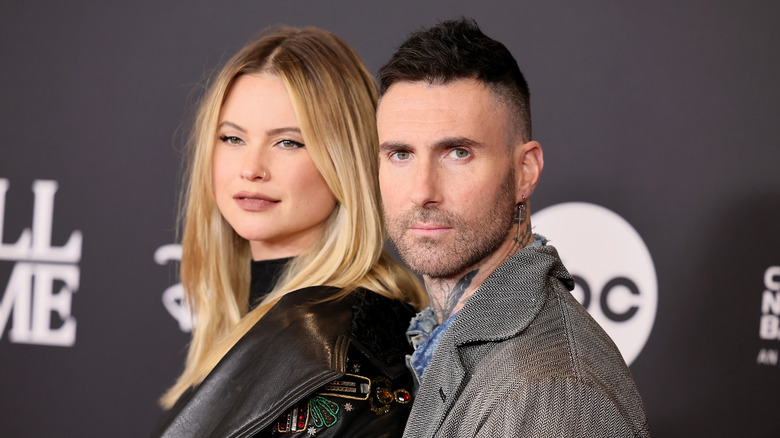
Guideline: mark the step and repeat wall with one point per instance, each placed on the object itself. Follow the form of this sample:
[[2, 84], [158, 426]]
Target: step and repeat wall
[[661, 189]]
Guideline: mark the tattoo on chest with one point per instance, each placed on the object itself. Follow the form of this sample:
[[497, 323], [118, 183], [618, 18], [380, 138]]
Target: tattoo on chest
[[445, 296]]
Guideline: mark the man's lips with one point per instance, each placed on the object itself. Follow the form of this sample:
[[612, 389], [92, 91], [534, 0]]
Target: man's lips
[[428, 229], [254, 201]]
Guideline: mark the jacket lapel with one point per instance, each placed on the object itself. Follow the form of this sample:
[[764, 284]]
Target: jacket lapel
[[503, 306]]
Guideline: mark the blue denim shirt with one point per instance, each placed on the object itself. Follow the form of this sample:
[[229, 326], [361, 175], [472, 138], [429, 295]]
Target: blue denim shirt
[[424, 334]]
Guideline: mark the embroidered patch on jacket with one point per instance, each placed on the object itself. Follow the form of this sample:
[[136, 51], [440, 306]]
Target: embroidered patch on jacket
[[383, 396], [350, 386], [318, 412], [324, 413], [296, 419]]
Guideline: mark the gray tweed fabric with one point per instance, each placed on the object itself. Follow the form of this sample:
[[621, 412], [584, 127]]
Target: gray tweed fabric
[[524, 359]]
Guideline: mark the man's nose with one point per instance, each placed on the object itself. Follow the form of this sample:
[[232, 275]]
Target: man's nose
[[425, 186]]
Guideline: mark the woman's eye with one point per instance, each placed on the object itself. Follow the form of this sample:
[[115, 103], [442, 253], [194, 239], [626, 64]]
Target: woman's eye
[[459, 153], [230, 139], [290, 144]]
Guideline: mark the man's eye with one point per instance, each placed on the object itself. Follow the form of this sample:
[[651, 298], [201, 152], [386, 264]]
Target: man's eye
[[459, 153], [230, 139], [400, 155], [290, 144]]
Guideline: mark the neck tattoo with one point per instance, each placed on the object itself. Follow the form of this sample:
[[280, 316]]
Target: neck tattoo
[[445, 296]]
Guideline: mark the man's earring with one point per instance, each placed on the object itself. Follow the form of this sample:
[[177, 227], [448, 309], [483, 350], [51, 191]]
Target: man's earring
[[520, 218]]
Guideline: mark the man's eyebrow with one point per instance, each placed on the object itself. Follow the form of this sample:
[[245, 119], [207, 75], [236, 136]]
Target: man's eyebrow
[[449, 142], [390, 146], [452, 142]]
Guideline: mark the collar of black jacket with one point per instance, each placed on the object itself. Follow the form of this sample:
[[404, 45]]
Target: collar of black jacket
[[298, 346]]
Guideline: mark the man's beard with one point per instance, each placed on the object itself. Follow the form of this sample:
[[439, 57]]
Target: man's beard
[[470, 241]]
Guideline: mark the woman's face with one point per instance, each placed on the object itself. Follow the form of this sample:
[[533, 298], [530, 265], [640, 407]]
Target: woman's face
[[265, 182]]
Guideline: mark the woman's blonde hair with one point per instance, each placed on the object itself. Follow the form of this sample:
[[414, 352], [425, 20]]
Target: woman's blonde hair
[[334, 98]]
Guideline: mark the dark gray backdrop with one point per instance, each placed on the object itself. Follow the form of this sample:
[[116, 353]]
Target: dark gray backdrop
[[666, 113]]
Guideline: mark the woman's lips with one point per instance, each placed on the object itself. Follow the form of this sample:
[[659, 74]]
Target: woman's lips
[[254, 201]]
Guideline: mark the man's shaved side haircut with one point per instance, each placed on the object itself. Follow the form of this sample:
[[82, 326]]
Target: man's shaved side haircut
[[457, 49]]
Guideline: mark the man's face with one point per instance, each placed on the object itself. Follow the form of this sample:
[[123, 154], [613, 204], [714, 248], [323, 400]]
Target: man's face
[[446, 174]]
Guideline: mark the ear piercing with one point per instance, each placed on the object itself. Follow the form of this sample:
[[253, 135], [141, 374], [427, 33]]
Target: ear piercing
[[520, 218]]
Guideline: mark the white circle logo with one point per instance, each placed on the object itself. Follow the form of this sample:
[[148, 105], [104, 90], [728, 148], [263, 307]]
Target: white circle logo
[[614, 274]]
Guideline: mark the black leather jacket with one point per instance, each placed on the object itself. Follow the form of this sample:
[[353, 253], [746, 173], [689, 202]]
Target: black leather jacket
[[307, 368]]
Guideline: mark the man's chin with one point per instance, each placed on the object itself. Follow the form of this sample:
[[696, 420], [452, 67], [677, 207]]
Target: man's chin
[[431, 264], [429, 256]]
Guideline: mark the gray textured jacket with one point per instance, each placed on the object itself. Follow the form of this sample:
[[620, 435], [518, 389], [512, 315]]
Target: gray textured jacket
[[524, 359]]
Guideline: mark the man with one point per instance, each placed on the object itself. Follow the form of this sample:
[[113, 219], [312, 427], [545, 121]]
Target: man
[[504, 349]]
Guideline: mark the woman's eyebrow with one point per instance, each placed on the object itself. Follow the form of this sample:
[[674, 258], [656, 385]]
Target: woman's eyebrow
[[276, 131], [232, 125]]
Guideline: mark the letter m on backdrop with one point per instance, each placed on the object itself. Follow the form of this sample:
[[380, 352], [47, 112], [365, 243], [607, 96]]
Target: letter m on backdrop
[[29, 299]]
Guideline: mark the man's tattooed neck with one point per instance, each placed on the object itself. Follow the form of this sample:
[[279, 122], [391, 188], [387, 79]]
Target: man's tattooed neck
[[526, 236], [446, 296]]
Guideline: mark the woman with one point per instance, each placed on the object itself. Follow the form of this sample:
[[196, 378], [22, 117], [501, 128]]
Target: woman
[[283, 179]]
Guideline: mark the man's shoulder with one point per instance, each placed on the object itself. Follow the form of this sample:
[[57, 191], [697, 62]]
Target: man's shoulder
[[561, 367], [562, 340], [543, 379], [562, 406]]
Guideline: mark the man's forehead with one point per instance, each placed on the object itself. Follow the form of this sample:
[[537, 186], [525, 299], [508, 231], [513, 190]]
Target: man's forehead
[[426, 91], [457, 108]]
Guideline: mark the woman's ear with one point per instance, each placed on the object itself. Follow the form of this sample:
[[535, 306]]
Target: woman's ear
[[528, 161]]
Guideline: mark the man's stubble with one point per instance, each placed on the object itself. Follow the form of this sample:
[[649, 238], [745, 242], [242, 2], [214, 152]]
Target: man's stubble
[[471, 241]]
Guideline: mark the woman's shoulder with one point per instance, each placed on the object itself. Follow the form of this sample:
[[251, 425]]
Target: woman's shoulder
[[369, 310], [379, 330], [372, 397], [375, 325]]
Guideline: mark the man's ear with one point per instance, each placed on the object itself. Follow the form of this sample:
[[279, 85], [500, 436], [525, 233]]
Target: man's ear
[[528, 162]]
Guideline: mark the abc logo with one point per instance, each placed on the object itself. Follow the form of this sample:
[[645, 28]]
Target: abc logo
[[614, 274]]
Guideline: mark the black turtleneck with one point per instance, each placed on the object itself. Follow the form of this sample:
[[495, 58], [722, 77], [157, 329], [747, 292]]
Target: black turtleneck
[[264, 276]]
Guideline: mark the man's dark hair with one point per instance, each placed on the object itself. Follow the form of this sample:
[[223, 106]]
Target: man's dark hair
[[458, 49]]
